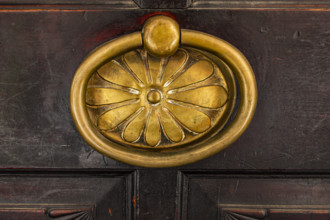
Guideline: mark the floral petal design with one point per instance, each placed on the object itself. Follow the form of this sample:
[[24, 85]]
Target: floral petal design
[[103, 96], [97, 81], [174, 64], [192, 119], [134, 62], [134, 129], [206, 96], [114, 117], [113, 72], [155, 68], [197, 72], [141, 100], [152, 133], [172, 131]]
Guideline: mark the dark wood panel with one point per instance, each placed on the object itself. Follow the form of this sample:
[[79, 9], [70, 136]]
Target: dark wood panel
[[67, 2], [43, 42], [46, 213], [73, 213], [169, 4], [66, 194], [264, 4], [289, 52], [160, 4], [275, 213], [35, 85], [23, 213], [41, 51], [277, 196], [157, 194], [37, 5]]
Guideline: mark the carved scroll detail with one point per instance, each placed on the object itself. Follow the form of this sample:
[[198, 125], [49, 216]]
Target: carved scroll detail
[[71, 214], [243, 214]]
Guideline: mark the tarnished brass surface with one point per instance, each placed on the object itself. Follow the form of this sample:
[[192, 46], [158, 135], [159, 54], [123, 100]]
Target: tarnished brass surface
[[165, 104], [161, 36], [165, 109]]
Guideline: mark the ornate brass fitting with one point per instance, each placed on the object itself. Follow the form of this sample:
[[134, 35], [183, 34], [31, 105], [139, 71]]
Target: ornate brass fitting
[[163, 97]]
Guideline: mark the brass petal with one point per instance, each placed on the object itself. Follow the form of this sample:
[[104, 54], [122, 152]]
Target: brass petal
[[195, 73], [113, 72], [114, 117], [103, 96], [174, 64], [135, 63], [155, 67], [134, 129], [192, 119], [97, 81], [206, 96], [171, 128], [152, 133]]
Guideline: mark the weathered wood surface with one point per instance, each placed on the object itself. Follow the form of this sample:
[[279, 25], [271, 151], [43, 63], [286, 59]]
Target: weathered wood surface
[[42, 46], [51, 194], [288, 50], [216, 195]]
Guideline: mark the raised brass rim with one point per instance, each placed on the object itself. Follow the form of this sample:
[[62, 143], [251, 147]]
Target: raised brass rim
[[165, 157]]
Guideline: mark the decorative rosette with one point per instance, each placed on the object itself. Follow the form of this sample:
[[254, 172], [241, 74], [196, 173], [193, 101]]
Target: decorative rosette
[[146, 101]]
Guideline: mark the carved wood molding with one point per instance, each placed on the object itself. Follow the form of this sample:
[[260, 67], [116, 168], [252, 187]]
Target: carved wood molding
[[74, 194], [243, 214], [275, 212], [162, 4], [279, 4], [63, 214], [47, 212], [247, 195]]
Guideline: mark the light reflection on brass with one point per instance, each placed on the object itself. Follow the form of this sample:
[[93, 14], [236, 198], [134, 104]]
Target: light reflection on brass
[[161, 36], [186, 103], [154, 96], [161, 105]]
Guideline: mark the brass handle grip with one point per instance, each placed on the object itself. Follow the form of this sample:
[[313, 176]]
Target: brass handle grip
[[163, 97]]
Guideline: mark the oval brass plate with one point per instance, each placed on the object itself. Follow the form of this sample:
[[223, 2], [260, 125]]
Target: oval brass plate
[[162, 110], [140, 100]]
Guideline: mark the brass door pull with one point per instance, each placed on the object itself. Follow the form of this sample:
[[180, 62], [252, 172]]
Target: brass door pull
[[161, 97]]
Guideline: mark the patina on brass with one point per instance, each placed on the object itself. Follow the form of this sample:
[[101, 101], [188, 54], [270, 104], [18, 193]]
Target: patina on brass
[[144, 100], [167, 102], [161, 36]]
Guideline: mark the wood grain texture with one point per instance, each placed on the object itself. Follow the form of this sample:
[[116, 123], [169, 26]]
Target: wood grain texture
[[275, 213], [265, 4], [35, 212], [67, 214], [41, 51], [169, 4], [68, 194], [67, 2], [38, 5], [42, 46], [243, 214], [23, 213], [254, 196], [157, 194], [160, 4]]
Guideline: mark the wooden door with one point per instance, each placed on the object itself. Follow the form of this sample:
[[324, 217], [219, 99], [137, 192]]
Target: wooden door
[[278, 169]]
